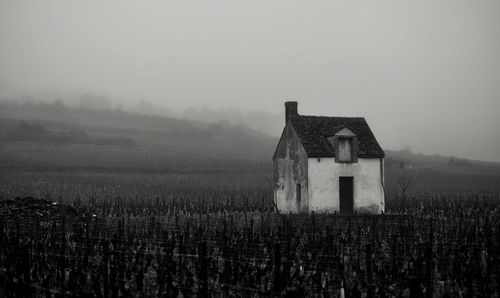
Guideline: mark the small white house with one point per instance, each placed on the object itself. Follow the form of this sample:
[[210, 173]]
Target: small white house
[[328, 164]]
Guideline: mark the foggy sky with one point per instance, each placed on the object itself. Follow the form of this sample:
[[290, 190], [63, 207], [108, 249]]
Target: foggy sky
[[423, 73]]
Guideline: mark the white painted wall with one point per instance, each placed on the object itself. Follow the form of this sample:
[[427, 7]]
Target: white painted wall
[[290, 169], [285, 186], [323, 184]]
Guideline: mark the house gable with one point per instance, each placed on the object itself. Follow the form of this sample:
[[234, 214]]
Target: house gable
[[280, 151], [290, 172], [288, 138]]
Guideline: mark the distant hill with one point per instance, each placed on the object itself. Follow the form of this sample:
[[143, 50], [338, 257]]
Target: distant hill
[[405, 159], [59, 124]]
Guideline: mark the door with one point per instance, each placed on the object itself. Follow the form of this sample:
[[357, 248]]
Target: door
[[346, 195], [298, 191]]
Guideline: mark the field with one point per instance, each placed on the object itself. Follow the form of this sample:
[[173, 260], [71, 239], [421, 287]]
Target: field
[[427, 246], [172, 218]]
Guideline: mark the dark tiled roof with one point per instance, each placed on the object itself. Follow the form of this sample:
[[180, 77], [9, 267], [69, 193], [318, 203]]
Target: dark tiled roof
[[314, 130]]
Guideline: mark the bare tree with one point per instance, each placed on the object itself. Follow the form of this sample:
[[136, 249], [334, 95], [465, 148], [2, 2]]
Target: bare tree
[[406, 182]]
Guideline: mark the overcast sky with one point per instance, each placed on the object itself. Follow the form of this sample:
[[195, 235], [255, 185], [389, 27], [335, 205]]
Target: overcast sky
[[423, 73]]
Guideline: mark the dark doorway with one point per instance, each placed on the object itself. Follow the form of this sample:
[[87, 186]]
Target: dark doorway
[[346, 195], [299, 194]]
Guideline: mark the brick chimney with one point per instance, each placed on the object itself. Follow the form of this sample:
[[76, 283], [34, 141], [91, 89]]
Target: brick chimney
[[290, 110]]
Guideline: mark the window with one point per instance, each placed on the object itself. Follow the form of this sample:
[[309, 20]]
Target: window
[[344, 147], [345, 150]]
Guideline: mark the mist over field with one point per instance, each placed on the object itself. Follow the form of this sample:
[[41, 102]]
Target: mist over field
[[144, 150], [121, 87], [426, 75]]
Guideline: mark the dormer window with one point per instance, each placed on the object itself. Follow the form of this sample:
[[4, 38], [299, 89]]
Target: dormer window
[[345, 146], [345, 149]]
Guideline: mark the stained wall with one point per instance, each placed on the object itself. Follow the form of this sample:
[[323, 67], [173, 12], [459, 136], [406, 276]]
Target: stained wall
[[290, 170]]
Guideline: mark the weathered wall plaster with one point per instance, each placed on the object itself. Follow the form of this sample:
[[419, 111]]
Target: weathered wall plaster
[[323, 184], [291, 162]]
